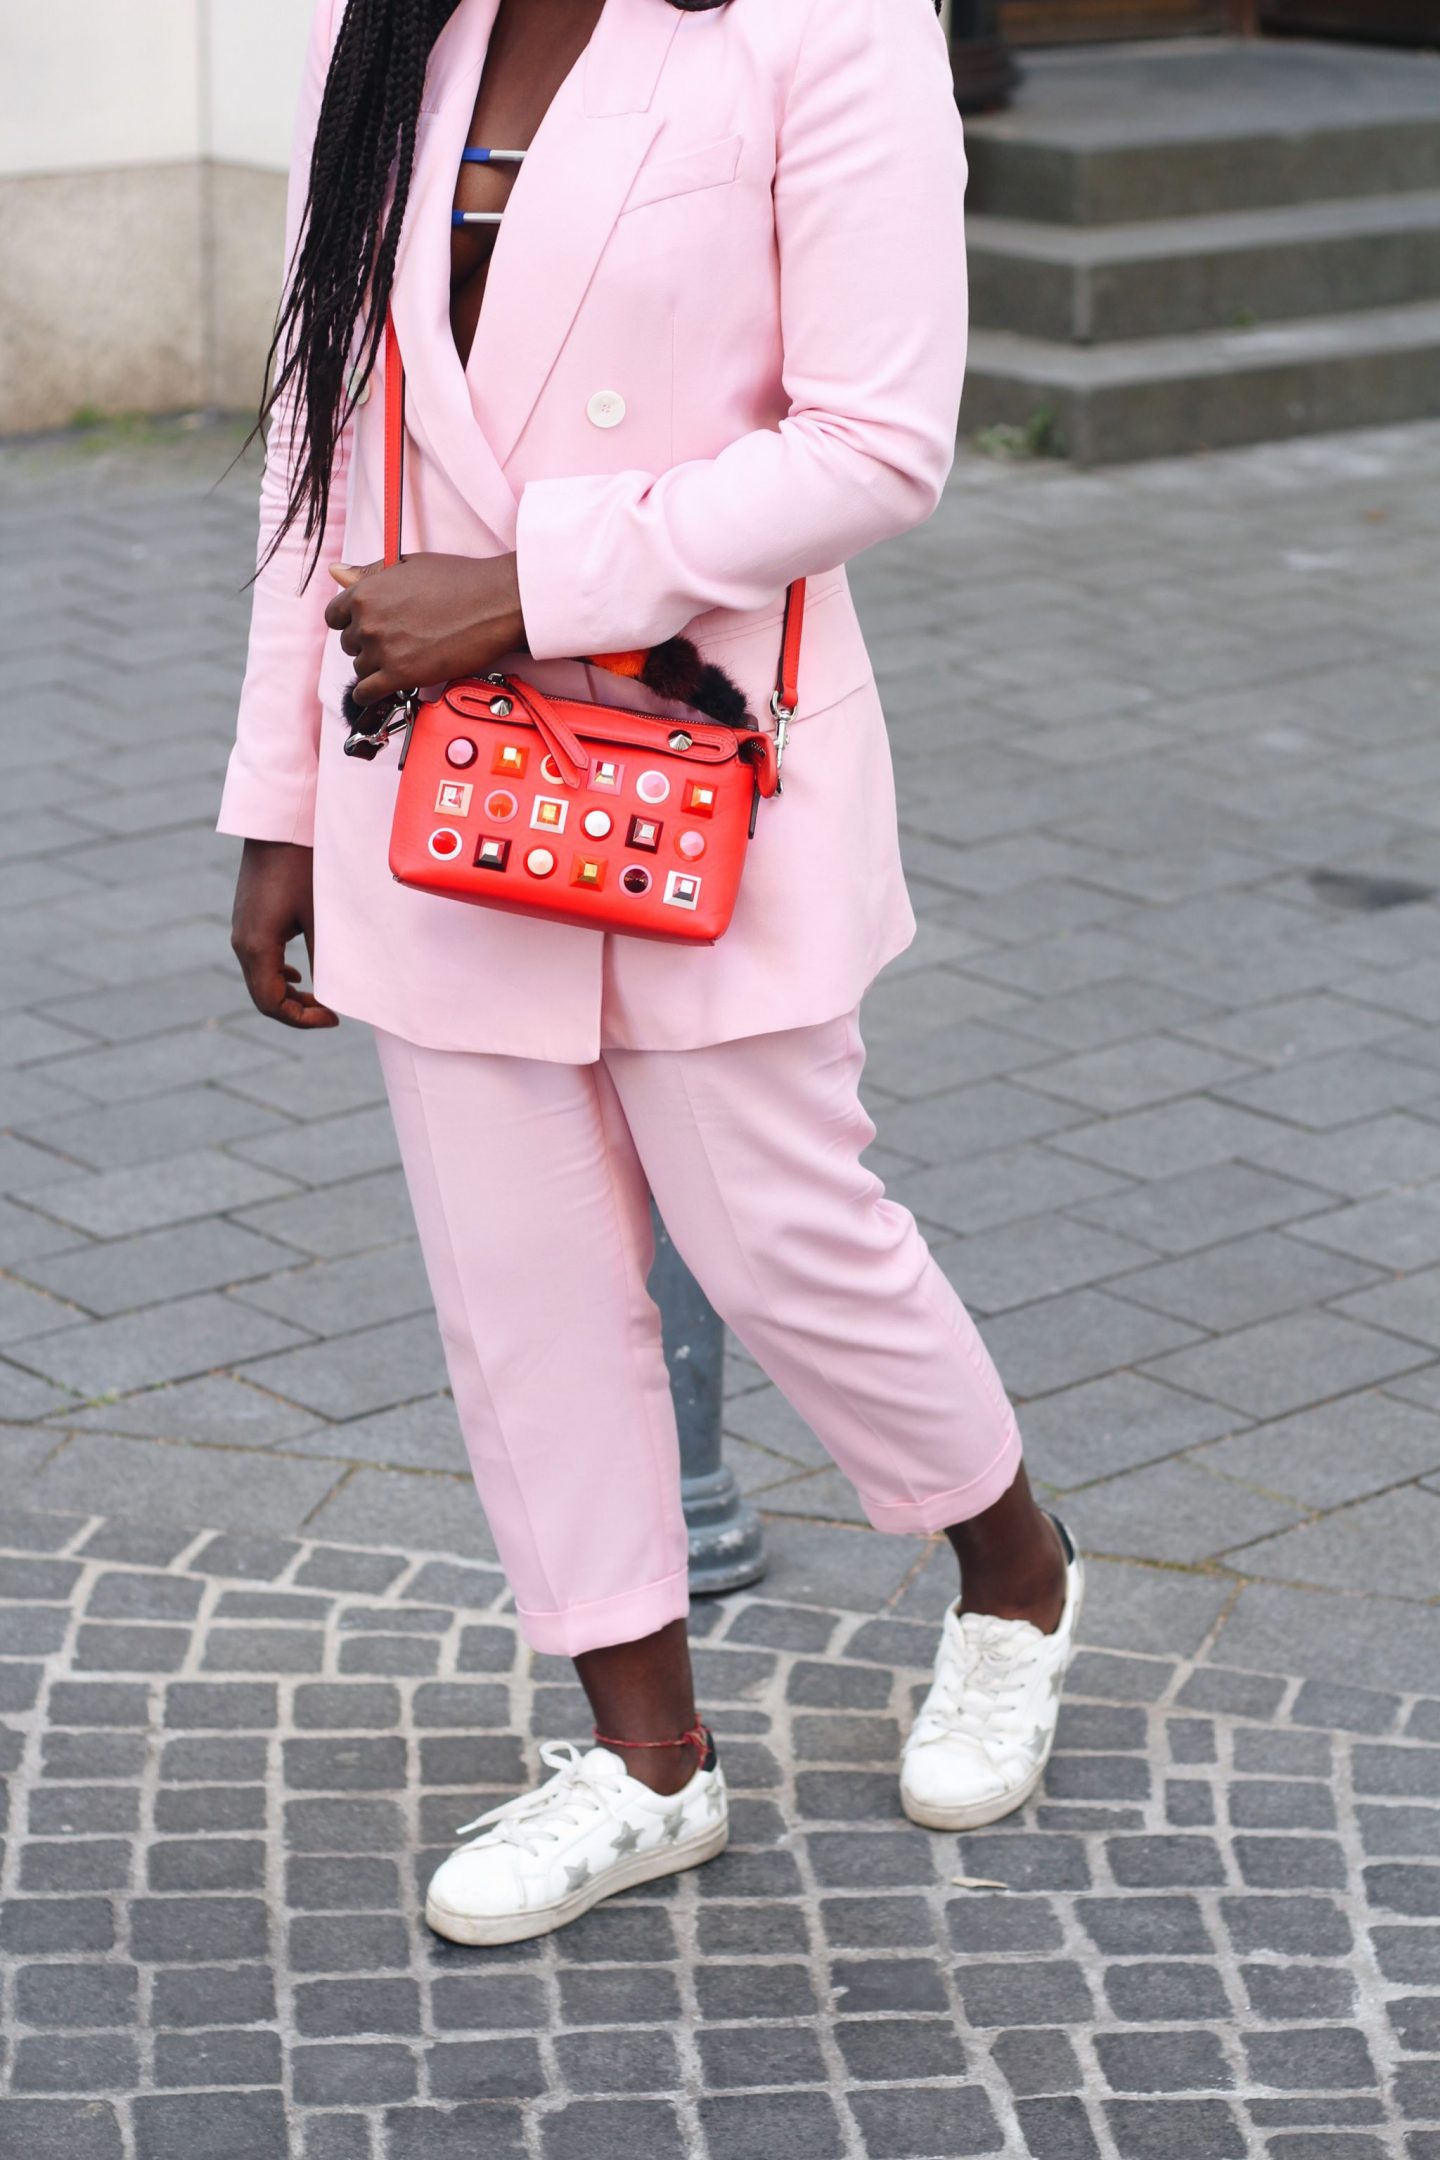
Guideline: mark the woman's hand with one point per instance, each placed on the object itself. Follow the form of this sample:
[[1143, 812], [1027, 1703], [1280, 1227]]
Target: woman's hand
[[273, 903], [425, 619]]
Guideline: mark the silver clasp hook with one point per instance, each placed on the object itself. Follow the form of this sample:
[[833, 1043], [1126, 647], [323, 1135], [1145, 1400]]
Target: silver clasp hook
[[784, 714]]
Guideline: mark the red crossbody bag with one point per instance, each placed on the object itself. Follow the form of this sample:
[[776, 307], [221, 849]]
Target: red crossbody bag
[[565, 807]]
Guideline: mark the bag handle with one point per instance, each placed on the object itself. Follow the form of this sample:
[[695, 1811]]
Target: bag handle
[[784, 698]]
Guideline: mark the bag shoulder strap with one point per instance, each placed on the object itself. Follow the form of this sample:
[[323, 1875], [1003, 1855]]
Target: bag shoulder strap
[[785, 697]]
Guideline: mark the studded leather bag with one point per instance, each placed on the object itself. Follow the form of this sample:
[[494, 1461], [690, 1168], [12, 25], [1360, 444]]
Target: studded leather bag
[[568, 808]]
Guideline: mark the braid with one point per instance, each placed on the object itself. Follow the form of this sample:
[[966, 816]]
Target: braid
[[344, 260]]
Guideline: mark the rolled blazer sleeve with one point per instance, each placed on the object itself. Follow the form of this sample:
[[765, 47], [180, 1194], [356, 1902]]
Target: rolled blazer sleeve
[[269, 791], [869, 209]]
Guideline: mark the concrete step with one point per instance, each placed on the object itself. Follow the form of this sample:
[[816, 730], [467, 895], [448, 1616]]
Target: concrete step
[[1194, 128], [1168, 276], [1157, 397]]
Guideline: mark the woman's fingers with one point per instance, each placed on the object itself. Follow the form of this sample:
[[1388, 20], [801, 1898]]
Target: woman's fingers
[[371, 688], [347, 576], [273, 986]]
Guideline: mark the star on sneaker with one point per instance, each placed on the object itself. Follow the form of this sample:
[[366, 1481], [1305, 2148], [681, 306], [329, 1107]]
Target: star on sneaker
[[979, 1746], [591, 1829]]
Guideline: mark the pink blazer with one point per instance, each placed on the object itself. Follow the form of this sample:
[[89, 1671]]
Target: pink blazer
[[745, 227]]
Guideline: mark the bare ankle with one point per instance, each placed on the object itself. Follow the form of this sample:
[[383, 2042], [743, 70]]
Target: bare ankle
[[1032, 1589], [664, 1770]]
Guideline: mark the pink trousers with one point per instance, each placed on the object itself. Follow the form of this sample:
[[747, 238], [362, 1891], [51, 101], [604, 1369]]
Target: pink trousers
[[529, 1183]]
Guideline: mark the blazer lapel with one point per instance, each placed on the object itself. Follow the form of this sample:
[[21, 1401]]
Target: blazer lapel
[[438, 408], [564, 202]]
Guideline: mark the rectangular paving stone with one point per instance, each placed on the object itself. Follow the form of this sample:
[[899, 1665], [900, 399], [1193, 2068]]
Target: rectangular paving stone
[[737, 2125], [337, 2137], [1287, 1364], [74, 2062], [359, 1943], [383, 1366], [206, 1760], [218, 2058], [331, 1567], [1389, 1538], [197, 1930], [739, 2055], [148, 1596], [1321, 2058], [1313, 1926], [344, 1825], [267, 1649], [223, 2126], [75, 1994], [185, 1485], [615, 2060], [1163, 2062], [1057, 2129], [453, 2133], [109, 1647], [348, 1765], [1324, 1092], [341, 2008], [221, 1706], [61, 2129], [346, 1884], [1078, 1336], [957, 2120], [1155, 2129], [1033, 1992], [143, 1196], [213, 1995], [485, 2070], [123, 1273]]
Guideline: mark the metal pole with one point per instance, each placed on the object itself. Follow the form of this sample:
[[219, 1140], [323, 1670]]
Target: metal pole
[[726, 1540]]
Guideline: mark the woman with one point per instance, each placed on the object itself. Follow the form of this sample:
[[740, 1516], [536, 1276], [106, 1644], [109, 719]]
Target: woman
[[705, 338]]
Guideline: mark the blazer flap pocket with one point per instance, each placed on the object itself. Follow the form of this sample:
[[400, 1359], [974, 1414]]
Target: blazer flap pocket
[[834, 660], [706, 164]]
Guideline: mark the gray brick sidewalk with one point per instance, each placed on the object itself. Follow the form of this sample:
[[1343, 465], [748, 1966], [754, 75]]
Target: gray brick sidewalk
[[1160, 1076]]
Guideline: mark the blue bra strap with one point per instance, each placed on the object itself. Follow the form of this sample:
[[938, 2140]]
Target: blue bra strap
[[491, 157]]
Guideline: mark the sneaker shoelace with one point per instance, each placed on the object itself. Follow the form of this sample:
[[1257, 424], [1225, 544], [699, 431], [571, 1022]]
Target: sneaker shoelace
[[541, 1817], [980, 1682]]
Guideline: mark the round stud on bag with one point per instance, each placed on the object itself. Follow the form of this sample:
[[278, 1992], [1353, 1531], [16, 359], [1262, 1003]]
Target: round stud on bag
[[652, 787], [540, 862], [635, 879], [460, 752], [445, 843], [597, 823]]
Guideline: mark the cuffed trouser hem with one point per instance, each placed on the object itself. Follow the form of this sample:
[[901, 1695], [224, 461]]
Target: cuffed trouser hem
[[606, 1621], [959, 1504]]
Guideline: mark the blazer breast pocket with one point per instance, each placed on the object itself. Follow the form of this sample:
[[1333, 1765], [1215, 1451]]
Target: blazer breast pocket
[[704, 165]]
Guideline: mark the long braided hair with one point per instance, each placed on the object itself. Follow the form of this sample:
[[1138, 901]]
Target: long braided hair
[[344, 260]]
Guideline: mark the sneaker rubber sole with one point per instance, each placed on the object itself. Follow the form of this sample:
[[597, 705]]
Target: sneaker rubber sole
[[979, 1813], [491, 1929]]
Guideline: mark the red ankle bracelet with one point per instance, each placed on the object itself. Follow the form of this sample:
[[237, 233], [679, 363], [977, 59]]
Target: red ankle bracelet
[[697, 1737]]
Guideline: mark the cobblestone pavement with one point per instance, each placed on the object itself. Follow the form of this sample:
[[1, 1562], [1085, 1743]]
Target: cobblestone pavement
[[1160, 1076]]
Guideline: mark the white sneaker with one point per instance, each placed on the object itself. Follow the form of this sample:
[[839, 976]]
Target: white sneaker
[[982, 1739], [543, 1859]]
